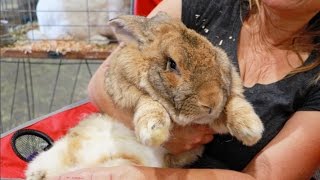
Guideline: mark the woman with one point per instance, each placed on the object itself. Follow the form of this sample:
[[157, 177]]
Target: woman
[[275, 45]]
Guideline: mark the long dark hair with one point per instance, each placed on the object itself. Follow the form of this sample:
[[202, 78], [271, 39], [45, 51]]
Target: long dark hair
[[310, 32]]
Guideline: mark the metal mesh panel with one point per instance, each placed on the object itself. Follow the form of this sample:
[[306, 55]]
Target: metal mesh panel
[[36, 83], [14, 14], [31, 88], [28, 143], [20, 16]]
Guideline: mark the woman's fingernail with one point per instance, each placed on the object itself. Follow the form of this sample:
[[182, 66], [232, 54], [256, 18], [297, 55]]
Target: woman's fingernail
[[188, 147], [197, 140]]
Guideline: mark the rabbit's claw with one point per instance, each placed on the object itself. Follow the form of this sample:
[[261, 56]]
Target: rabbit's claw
[[248, 128], [182, 159], [155, 130], [37, 175]]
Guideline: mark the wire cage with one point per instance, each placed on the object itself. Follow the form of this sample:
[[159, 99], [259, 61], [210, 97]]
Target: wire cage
[[41, 75]]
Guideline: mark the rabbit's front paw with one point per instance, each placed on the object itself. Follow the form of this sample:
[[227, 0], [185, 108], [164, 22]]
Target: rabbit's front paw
[[247, 128], [153, 130], [36, 175]]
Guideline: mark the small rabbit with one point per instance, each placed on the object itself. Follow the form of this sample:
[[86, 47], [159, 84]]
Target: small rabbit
[[97, 141], [166, 74], [77, 19]]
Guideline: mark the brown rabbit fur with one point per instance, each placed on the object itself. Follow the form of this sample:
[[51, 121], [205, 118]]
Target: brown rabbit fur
[[168, 73]]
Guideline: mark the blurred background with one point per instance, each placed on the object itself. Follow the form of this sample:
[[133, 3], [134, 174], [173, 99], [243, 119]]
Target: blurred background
[[36, 81]]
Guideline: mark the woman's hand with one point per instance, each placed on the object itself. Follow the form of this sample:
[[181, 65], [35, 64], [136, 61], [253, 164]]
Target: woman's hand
[[184, 138]]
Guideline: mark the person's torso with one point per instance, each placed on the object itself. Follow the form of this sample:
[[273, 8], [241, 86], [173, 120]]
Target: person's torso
[[220, 21]]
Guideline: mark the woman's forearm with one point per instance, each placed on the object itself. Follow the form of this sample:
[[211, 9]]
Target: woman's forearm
[[191, 174], [149, 173], [98, 96]]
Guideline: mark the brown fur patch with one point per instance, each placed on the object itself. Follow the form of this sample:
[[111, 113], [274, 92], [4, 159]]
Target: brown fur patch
[[190, 38], [75, 139], [134, 159]]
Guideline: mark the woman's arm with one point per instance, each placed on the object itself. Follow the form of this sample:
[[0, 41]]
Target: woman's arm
[[147, 173], [98, 96], [171, 7], [294, 153]]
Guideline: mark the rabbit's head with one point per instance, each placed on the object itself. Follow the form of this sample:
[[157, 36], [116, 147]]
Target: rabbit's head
[[191, 76]]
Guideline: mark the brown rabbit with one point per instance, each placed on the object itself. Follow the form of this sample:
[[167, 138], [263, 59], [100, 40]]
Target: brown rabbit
[[164, 73], [167, 73]]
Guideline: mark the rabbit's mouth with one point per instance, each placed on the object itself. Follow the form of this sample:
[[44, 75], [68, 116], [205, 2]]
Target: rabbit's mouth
[[202, 119]]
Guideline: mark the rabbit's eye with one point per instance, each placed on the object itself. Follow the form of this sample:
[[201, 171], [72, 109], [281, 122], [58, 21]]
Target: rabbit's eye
[[171, 64]]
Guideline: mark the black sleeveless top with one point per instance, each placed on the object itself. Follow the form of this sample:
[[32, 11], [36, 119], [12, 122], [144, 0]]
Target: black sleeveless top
[[220, 21]]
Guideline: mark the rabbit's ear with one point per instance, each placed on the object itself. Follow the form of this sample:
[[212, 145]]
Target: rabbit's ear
[[129, 29]]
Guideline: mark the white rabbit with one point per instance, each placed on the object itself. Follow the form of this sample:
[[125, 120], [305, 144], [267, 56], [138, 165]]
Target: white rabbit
[[97, 141], [77, 19]]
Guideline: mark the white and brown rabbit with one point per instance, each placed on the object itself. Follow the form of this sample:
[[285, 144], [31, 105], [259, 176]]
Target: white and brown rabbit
[[166, 74], [77, 19]]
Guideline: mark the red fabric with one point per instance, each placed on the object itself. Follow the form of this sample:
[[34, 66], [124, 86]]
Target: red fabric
[[54, 126], [144, 7]]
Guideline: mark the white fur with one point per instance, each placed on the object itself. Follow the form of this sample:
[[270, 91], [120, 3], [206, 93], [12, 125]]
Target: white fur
[[103, 137], [79, 19]]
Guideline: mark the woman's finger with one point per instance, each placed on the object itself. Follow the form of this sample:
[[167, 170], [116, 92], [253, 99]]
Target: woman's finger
[[203, 140], [205, 129], [206, 139]]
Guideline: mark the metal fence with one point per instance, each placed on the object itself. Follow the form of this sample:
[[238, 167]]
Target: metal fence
[[38, 76]]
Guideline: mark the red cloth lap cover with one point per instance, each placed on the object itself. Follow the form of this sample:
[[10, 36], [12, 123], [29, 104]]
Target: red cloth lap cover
[[54, 125], [144, 7]]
